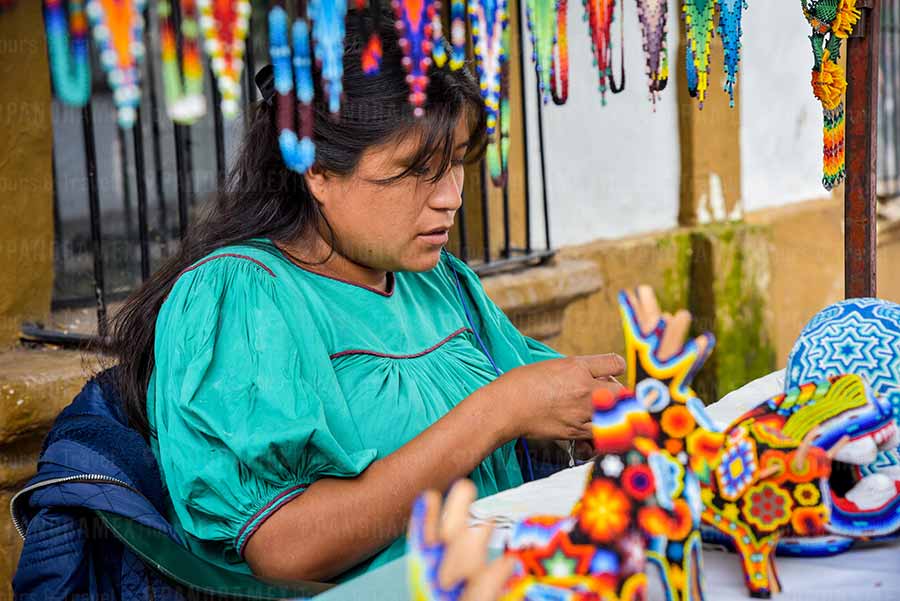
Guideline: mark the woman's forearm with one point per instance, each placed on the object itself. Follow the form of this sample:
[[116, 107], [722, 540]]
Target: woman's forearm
[[338, 522]]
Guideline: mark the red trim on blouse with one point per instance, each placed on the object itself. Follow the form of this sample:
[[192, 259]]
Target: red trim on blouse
[[389, 356], [208, 259], [274, 501], [391, 280]]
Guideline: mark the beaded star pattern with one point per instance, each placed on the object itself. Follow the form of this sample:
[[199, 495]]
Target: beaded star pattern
[[415, 27], [67, 46], [118, 28], [183, 84]]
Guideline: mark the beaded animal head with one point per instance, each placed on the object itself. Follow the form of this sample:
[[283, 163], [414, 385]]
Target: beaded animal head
[[859, 336]]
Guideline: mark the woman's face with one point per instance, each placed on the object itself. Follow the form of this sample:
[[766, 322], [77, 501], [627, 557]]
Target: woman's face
[[392, 227]]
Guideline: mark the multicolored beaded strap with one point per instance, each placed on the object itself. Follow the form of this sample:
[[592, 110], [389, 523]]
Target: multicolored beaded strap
[[549, 40], [69, 65], [832, 22], [298, 151], [457, 34], [328, 42], [488, 21], [600, 14], [699, 21], [185, 101], [118, 28], [654, 16], [730, 12], [372, 52], [415, 28], [224, 24]]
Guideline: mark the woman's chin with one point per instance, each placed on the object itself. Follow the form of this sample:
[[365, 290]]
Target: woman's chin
[[423, 259]]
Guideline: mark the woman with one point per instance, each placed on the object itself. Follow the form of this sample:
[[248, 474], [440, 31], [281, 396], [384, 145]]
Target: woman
[[312, 358]]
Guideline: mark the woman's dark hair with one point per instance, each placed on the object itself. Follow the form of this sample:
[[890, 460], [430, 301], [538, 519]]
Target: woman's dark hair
[[261, 197]]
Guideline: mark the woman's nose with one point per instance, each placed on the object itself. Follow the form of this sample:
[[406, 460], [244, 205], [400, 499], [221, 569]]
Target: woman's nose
[[447, 194]]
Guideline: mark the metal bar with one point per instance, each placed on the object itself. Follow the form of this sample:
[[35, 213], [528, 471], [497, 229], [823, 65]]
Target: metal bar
[[524, 128], [126, 187], [32, 333], [218, 131], [535, 258], [506, 242], [155, 117], [485, 216], [181, 174], [463, 234], [862, 148], [540, 124], [249, 71], [90, 157], [895, 93], [59, 254], [143, 226]]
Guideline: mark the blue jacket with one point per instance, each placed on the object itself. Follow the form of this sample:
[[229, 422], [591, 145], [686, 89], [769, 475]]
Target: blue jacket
[[91, 460]]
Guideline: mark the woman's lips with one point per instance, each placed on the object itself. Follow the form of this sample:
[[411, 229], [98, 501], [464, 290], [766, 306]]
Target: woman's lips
[[436, 237]]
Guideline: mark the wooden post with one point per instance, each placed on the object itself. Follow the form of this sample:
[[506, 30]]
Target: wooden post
[[861, 146]]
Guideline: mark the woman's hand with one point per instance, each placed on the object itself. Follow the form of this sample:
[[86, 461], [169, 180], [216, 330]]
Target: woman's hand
[[552, 399]]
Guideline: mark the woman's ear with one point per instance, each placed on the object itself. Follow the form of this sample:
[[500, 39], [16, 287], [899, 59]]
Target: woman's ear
[[318, 183]]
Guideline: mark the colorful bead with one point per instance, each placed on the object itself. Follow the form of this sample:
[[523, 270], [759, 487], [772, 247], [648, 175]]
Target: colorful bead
[[415, 28], [600, 17], [224, 24], [185, 101], [328, 31], [654, 15], [730, 12], [699, 21], [118, 29], [69, 64], [457, 34]]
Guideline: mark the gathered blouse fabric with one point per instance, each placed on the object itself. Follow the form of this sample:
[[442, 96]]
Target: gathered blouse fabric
[[269, 376]]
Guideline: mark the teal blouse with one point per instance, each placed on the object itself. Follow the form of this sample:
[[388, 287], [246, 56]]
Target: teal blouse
[[269, 376]]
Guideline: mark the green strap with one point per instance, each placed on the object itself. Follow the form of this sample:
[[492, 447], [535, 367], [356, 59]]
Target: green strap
[[183, 567]]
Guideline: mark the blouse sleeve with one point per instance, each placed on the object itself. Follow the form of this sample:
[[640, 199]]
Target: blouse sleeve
[[241, 419], [508, 346]]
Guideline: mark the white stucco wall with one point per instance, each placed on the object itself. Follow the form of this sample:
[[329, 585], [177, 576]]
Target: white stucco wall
[[611, 171], [781, 120], [614, 171]]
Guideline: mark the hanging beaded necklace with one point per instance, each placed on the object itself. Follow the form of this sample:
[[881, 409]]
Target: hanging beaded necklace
[[372, 51], [118, 28], [298, 151], [224, 24], [654, 15], [832, 21], [69, 65], [438, 49], [414, 26], [549, 40], [560, 72], [699, 16], [497, 151], [730, 12], [328, 42], [488, 22], [457, 34], [600, 15], [185, 101]]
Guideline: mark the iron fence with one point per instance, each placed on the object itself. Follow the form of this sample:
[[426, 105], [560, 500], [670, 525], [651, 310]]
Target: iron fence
[[889, 102], [118, 212]]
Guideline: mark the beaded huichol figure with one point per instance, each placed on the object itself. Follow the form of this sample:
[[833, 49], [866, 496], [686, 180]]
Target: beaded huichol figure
[[292, 69], [224, 24], [699, 21], [654, 15], [67, 46], [118, 28], [832, 21], [328, 31], [730, 12], [415, 29], [600, 16], [185, 101]]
